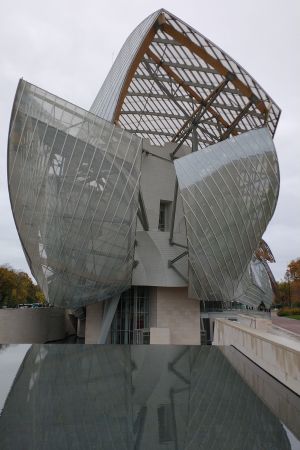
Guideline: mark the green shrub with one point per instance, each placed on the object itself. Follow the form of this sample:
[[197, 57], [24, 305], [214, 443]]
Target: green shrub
[[286, 311]]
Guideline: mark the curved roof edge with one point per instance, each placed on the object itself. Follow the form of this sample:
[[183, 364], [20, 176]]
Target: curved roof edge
[[164, 55]]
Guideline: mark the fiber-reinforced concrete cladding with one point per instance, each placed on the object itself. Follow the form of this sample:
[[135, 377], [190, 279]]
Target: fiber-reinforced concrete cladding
[[160, 193]]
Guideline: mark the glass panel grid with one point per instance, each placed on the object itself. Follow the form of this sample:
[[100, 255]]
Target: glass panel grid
[[229, 193], [73, 181]]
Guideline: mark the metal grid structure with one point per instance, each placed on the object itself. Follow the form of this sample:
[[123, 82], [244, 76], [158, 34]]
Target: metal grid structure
[[74, 183], [172, 77]]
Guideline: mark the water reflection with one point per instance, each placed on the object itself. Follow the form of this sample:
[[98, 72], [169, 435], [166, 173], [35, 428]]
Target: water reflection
[[11, 357], [279, 399], [144, 397]]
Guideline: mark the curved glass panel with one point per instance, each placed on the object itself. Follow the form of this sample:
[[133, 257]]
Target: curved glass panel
[[255, 287], [73, 181], [105, 103], [229, 192]]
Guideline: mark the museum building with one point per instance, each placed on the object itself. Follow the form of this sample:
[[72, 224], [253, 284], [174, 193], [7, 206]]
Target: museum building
[[148, 211]]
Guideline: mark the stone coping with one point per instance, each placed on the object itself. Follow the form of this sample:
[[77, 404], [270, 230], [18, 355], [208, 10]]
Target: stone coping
[[284, 342]]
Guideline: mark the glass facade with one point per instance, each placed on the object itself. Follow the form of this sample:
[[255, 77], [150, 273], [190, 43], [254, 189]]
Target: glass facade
[[131, 321], [73, 181], [229, 193], [106, 100], [255, 287]]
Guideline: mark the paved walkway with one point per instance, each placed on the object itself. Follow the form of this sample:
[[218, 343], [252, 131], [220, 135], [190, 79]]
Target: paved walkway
[[289, 324]]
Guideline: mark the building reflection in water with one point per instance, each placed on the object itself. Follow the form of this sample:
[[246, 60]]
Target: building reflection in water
[[143, 397]]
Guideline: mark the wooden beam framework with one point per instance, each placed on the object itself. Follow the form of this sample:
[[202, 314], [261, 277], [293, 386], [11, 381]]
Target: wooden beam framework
[[146, 54], [215, 63], [200, 111], [188, 126], [235, 122], [134, 65], [185, 86]]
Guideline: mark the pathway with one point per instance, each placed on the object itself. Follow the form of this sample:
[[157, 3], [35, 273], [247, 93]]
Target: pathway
[[289, 324]]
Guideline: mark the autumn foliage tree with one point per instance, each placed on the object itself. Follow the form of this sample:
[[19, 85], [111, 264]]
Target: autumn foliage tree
[[293, 270], [293, 278], [17, 288], [288, 291], [282, 293]]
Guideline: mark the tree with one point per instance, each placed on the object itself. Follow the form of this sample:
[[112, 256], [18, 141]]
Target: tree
[[282, 296], [17, 287], [288, 291], [293, 278], [293, 270]]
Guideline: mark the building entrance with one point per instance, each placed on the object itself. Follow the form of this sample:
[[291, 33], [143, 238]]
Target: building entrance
[[131, 322]]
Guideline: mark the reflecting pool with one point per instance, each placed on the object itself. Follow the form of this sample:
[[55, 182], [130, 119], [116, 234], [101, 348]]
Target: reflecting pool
[[141, 397]]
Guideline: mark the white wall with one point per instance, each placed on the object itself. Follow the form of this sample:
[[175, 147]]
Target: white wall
[[277, 355], [32, 325], [93, 321], [179, 314], [157, 183], [153, 253], [153, 250]]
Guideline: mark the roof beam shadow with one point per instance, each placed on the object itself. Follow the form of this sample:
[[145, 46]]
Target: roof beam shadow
[[142, 214]]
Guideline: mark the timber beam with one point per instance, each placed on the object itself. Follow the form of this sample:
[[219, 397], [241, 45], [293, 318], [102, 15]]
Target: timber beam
[[215, 63], [236, 121], [202, 108], [192, 93], [188, 127], [134, 65]]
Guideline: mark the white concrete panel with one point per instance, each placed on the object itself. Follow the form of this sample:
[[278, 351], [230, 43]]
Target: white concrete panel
[[32, 325], [153, 253], [157, 183], [277, 355], [180, 314], [159, 336]]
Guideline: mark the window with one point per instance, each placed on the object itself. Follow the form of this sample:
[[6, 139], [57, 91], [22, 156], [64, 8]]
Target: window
[[131, 322], [164, 215]]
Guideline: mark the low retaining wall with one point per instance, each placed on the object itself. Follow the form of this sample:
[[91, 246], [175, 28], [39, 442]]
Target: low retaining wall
[[259, 323], [279, 399], [277, 355], [31, 325]]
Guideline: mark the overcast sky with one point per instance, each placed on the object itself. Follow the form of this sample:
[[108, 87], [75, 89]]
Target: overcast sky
[[67, 48]]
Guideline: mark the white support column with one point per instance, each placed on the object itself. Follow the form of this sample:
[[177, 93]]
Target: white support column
[[110, 308]]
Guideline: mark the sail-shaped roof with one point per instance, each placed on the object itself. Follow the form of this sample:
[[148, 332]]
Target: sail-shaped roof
[[167, 74]]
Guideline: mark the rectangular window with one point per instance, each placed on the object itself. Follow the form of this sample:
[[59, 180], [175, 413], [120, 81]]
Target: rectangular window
[[164, 215]]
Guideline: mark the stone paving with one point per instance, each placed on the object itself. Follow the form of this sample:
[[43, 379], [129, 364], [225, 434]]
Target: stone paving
[[292, 325]]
